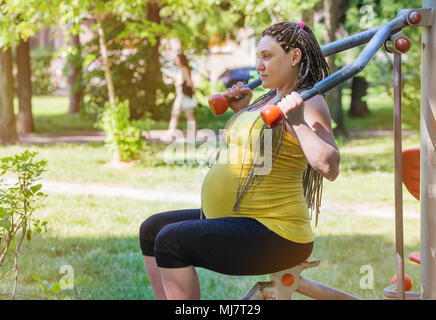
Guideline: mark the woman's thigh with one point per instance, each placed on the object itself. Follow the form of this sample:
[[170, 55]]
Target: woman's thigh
[[234, 246], [153, 225]]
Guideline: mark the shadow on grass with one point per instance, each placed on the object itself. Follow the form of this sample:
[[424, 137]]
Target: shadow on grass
[[378, 119], [63, 123], [113, 268]]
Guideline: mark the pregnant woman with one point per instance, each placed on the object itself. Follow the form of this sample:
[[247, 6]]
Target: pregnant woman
[[254, 221]]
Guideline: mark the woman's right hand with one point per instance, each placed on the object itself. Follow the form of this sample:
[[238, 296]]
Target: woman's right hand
[[235, 92]]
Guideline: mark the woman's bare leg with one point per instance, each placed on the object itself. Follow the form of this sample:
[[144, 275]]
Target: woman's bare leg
[[155, 277], [191, 120], [181, 283], [173, 123]]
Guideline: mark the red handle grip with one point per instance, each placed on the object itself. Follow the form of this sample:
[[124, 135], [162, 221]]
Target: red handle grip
[[272, 115], [219, 104]]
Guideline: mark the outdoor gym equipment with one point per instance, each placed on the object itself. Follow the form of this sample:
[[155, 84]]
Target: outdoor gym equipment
[[284, 283], [272, 114]]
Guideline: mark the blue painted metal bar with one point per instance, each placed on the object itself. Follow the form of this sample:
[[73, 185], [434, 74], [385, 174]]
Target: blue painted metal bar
[[375, 38], [383, 33]]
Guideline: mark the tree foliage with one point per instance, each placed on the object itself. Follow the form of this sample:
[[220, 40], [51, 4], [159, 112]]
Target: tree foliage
[[19, 199]]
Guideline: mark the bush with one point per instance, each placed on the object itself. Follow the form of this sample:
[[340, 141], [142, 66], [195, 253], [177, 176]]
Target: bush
[[123, 137], [40, 67]]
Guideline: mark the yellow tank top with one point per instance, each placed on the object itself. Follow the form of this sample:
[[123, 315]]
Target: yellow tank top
[[278, 201]]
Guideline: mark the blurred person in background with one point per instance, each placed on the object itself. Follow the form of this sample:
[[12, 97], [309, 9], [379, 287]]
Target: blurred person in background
[[184, 101]]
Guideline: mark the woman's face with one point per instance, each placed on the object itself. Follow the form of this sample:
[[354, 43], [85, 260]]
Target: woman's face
[[277, 68]]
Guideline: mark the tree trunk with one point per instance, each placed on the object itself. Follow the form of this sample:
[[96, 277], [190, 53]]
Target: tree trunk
[[153, 76], [333, 11], [8, 130], [107, 71], [74, 77], [24, 88], [106, 62], [358, 107]]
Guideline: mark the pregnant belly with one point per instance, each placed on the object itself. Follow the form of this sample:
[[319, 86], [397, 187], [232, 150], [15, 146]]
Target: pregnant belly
[[219, 190]]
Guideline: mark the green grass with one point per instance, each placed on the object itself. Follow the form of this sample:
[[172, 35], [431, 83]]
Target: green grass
[[98, 236], [50, 115], [86, 163], [381, 112]]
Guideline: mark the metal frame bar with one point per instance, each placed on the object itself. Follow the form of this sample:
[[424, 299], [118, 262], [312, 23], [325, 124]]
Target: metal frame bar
[[382, 34], [365, 36], [398, 179], [428, 157]]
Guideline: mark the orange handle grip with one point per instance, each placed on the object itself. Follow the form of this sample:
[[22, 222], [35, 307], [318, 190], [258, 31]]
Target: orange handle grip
[[219, 104], [272, 115]]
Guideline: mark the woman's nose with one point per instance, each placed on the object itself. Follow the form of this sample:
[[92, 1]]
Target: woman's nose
[[259, 66]]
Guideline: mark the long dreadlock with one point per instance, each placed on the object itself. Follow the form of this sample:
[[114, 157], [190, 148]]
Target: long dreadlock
[[313, 68]]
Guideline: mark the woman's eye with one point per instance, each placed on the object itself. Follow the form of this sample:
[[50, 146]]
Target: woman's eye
[[264, 57]]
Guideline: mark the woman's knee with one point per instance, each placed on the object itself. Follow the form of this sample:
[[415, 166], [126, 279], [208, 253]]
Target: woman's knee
[[166, 238], [147, 234], [168, 252]]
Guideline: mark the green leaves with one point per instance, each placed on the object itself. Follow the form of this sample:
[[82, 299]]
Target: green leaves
[[121, 136], [5, 224], [18, 201], [36, 188], [50, 289]]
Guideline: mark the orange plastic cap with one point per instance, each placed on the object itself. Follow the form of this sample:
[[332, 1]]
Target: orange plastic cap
[[408, 283], [402, 44], [415, 17], [219, 104], [415, 256], [272, 115], [288, 280]]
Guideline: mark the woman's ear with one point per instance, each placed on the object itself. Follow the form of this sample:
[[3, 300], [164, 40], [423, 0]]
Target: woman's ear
[[295, 56]]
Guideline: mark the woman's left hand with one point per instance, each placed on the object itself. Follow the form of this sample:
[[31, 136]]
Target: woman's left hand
[[292, 107]]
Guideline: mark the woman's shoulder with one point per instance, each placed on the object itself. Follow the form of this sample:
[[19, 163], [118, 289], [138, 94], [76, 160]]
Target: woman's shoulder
[[316, 104], [315, 111]]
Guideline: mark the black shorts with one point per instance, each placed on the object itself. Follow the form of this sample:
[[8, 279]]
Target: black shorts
[[233, 245]]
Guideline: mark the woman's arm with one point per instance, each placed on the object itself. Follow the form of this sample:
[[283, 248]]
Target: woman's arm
[[311, 123]]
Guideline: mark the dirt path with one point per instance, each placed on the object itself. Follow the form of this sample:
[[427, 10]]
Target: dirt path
[[153, 136], [101, 190], [360, 209]]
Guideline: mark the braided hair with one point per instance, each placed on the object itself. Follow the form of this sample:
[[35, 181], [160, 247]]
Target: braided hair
[[313, 68]]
